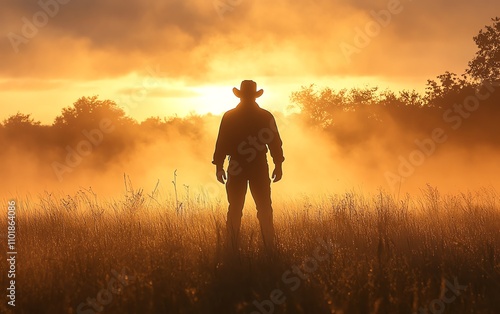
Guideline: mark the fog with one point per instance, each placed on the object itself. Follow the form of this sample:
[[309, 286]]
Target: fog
[[350, 155]]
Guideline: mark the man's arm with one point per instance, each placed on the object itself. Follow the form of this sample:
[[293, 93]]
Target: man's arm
[[220, 152], [276, 150]]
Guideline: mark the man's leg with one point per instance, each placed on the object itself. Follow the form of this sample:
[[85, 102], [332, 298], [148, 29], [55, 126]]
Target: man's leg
[[236, 188], [260, 187]]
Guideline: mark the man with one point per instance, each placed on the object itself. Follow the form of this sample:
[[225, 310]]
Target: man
[[246, 132]]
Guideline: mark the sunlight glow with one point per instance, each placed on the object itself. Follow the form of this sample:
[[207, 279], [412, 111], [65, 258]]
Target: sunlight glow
[[214, 99]]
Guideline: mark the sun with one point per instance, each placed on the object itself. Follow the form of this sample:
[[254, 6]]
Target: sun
[[214, 99]]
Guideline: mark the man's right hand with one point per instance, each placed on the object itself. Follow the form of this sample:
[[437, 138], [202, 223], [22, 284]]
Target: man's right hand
[[221, 175]]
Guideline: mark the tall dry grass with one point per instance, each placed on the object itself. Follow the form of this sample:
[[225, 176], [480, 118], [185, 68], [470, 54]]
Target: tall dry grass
[[390, 255]]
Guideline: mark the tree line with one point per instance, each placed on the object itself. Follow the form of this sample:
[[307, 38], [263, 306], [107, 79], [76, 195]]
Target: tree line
[[468, 104]]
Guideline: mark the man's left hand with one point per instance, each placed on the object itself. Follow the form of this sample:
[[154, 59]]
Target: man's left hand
[[221, 175], [277, 173]]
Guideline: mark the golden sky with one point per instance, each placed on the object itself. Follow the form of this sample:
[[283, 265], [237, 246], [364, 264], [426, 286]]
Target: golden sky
[[170, 57]]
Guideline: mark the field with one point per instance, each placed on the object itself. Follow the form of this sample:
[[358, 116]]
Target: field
[[338, 253]]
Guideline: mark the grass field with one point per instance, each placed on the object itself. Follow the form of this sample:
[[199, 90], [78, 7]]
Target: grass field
[[339, 253]]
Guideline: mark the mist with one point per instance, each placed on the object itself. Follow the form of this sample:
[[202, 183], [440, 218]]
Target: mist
[[357, 153]]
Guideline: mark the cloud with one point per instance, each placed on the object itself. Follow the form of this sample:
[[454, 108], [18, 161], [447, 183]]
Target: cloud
[[161, 92], [98, 39], [30, 84]]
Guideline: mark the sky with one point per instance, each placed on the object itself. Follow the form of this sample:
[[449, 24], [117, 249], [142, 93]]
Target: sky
[[165, 58]]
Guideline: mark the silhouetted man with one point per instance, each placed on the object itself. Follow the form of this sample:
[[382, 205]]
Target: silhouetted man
[[246, 132]]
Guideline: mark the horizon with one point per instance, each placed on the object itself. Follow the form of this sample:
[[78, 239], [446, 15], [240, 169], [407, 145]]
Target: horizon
[[265, 101]]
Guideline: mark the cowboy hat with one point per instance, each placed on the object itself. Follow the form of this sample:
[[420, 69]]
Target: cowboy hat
[[248, 89]]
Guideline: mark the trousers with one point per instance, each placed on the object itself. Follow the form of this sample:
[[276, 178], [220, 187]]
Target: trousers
[[257, 177]]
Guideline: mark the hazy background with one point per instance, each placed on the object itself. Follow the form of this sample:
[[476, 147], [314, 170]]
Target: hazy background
[[384, 75], [339, 141]]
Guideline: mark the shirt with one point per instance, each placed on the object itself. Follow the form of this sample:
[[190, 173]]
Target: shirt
[[245, 134]]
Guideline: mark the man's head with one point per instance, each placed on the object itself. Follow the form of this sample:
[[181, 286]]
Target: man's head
[[248, 91]]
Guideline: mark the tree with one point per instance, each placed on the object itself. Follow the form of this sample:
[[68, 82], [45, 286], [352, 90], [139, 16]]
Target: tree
[[89, 111], [317, 107], [22, 130], [411, 98], [20, 120], [153, 123], [442, 93], [486, 62]]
